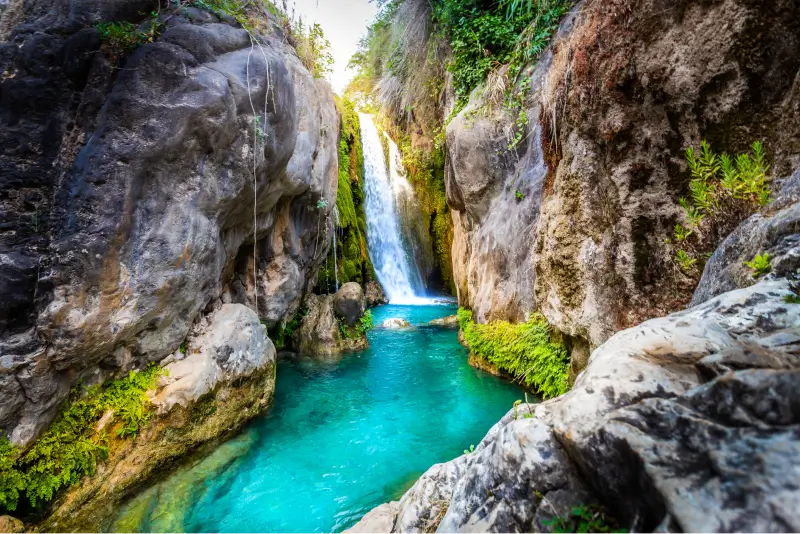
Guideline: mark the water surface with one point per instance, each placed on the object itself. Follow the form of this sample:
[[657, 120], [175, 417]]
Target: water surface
[[342, 437]]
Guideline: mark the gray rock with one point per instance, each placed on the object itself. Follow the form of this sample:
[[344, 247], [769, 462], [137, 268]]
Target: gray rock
[[379, 519], [349, 303], [374, 294], [451, 321], [232, 346], [148, 215], [775, 231], [644, 433], [320, 334]]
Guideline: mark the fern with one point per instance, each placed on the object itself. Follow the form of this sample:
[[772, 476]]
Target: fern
[[523, 350]]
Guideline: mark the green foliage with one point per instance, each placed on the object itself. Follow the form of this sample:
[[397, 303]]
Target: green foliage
[[760, 264], [723, 191], [519, 196], [71, 447], [365, 323], [184, 347], [313, 49], [685, 261], [122, 37], [583, 518], [470, 450], [282, 333], [523, 350], [794, 297]]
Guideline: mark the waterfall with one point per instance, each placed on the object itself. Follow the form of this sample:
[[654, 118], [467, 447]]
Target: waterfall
[[335, 226], [397, 273]]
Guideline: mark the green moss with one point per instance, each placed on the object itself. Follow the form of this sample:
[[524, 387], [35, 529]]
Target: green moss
[[71, 447], [524, 350], [282, 333]]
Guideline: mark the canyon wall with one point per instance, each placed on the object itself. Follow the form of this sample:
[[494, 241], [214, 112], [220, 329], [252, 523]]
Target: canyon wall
[[574, 219], [137, 186]]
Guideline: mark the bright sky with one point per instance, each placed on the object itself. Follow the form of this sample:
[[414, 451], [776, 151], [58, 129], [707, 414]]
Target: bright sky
[[344, 22]]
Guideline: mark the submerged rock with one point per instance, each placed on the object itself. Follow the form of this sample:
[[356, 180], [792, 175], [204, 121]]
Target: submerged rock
[[349, 303], [451, 321], [395, 322], [374, 294], [652, 430]]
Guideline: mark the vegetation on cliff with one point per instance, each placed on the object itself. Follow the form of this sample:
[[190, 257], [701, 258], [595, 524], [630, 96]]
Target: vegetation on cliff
[[523, 350], [351, 263], [73, 444]]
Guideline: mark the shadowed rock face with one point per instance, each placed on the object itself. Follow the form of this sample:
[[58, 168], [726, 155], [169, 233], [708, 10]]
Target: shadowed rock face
[[628, 87], [128, 194], [688, 421]]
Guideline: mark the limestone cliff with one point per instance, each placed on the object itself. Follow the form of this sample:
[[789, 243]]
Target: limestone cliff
[[137, 186]]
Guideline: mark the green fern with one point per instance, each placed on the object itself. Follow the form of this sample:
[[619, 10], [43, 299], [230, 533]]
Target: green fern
[[760, 264]]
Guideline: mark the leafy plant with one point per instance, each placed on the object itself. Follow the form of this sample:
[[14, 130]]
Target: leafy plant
[[184, 347], [470, 450], [322, 204], [583, 518], [760, 264], [685, 260], [122, 37], [365, 323], [723, 192], [71, 447], [523, 350]]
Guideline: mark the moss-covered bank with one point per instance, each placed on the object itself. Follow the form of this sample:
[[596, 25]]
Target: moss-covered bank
[[352, 263]]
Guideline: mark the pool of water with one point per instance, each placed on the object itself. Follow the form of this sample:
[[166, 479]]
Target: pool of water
[[342, 437]]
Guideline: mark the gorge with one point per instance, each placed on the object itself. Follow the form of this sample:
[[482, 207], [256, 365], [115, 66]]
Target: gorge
[[536, 268]]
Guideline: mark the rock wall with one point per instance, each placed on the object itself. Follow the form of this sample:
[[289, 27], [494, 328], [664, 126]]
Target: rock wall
[[627, 87], [656, 430], [134, 188]]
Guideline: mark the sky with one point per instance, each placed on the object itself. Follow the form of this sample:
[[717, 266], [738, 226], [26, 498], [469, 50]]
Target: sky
[[344, 22]]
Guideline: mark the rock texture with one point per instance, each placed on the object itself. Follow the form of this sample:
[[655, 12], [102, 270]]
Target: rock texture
[[129, 189], [657, 429], [627, 87], [226, 377], [320, 333], [395, 322], [374, 294], [451, 321], [349, 303]]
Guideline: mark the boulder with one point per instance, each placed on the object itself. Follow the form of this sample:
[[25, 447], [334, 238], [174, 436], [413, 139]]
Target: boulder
[[349, 303], [656, 429], [395, 322], [11, 525], [226, 378], [374, 294], [451, 321], [320, 333]]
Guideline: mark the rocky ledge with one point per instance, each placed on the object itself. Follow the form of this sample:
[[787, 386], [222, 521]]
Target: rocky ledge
[[688, 422], [225, 377], [334, 323]]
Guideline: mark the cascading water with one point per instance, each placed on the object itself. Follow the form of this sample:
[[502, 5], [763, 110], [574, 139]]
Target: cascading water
[[398, 275]]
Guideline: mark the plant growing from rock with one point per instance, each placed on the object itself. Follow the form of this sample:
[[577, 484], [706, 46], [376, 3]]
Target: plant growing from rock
[[583, 518], [760, 265], [524, 350], [72, 446], [723, 192]]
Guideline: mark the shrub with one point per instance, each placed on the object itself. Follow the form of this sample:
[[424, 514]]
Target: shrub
[[70, 448], [723, 192], [122, 37], [365, 323], [523, 350], [583, 518]]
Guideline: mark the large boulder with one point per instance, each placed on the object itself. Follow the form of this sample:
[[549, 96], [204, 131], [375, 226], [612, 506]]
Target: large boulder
[[656, 429], [321, 334], [349, 303], [226, 377], [138, 190]]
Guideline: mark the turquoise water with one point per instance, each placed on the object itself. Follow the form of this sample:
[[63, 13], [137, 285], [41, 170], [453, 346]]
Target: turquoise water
[[342, 437]]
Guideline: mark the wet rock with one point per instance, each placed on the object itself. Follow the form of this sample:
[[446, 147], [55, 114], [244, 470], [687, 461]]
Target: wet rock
[[451, 321], [321, 334], [395, 322], [646, 433], [374, 294], [773, 231], [349, 303]]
